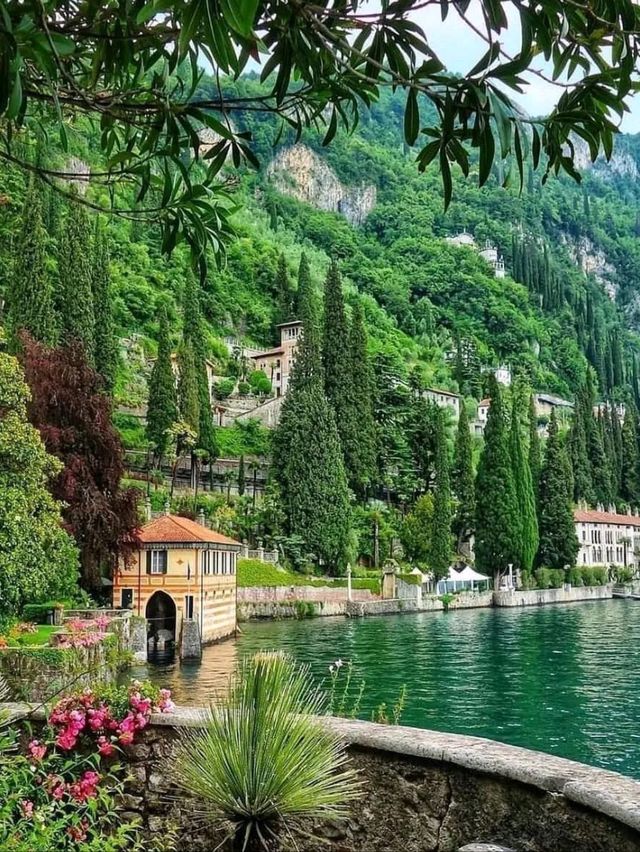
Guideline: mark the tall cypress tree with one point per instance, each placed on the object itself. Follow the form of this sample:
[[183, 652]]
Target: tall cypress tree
[[534, 455], [304, 291], [307, 457], [283, 292], [463, 484], [75, 297], [496, 499], [360, 442], [337, 365], [577, 452], [528, 539], [30, 291], [630, 480], [106, 344], [162, 410], [188, 399], [558, 541], [440, 544], [616, 430]]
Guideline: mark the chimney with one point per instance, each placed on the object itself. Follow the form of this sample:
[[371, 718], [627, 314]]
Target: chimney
[[147, 509], [167, 508], [201, 518], [629, 510]]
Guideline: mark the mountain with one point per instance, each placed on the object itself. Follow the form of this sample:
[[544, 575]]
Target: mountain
[[571, 294]]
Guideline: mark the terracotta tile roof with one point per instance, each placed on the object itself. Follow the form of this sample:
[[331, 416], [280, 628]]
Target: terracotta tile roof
[[484, 403], [592, 516], [268, 352], [173, 529], [443, 392]]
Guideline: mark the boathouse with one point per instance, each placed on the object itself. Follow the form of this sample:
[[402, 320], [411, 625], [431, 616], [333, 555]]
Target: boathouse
[[181, 579]]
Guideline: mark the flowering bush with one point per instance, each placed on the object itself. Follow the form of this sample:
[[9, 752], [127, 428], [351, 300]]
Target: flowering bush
[[82, 632], [60, 792]]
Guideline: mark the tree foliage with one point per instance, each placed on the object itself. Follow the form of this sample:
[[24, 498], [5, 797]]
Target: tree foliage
[[440, 544], [463, 482], [38, 559], [162, 408], [75, 297], [71, 61], [105, 341], [73, 416]]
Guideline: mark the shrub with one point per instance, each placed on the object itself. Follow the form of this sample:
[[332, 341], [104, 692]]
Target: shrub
[[39, 612], [260, 382], [622, 574], [549, 578], [575, 577], [244, 388], [224, 388], [262, 762], [600, 576]]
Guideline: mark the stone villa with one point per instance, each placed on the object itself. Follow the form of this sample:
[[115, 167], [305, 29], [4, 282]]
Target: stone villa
[[607, 538], [443, 399], [278, 363], [182, 572]]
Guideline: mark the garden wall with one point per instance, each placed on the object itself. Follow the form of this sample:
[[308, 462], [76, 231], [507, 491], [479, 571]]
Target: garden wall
[[424, 791], [538, 597]]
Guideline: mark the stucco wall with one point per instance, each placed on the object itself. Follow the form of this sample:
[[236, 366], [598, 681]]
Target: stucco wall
[[424, 791], [538, 597]]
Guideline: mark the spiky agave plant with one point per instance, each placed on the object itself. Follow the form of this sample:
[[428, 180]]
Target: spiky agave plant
[[263, 762]]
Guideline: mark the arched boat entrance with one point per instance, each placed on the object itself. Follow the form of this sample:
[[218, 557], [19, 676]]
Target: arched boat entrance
[[161, 627]]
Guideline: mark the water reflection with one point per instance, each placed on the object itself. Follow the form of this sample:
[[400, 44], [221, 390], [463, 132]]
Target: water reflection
[[563, 679]]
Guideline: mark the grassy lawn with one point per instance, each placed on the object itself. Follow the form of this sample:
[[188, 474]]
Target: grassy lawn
[[41, 636]]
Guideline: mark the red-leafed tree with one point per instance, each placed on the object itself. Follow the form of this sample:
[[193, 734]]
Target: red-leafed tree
[[73, 415]]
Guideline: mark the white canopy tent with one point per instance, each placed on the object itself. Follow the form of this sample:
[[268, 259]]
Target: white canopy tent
[[468, 575], [459, 580]]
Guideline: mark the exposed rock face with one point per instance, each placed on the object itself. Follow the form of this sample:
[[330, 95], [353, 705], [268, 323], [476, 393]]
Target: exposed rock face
[[621, 164], [593, 261], [300, 172]]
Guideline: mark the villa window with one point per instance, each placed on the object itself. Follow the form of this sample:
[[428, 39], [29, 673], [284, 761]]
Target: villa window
[[157, 561], [206, 562], [188, 606]]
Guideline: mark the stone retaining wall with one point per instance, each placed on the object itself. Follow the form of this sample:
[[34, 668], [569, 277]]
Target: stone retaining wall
[[289, 594], [295, 609], [539, 597], [424, 791]]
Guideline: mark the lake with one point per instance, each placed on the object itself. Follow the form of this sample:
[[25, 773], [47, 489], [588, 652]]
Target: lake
[[563, 679]]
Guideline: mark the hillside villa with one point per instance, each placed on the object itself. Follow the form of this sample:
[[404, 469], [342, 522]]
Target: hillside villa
[[182, 571], [277, 363], [607, 537]]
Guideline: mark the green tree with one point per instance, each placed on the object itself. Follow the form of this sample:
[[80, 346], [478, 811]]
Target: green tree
[[359, 443], [630, 484], [241, 477], [528, 538], [188, 397], [534, 454], [106, 342], [440, 545], [416, 529], [38, 560], [558, 541], [497, 525], [305, 286], [578, 457], [307, 458], [30, 290], [282, 292], [162, 409], [336, 362], [463, 484], [75, 296]]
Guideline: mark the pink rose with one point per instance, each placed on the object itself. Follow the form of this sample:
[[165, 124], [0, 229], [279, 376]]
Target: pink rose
[[37, 750], [105, 747]]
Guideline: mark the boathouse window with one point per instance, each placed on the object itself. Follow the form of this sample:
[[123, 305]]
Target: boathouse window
[[188, 606], [206, 562], [156, 561]]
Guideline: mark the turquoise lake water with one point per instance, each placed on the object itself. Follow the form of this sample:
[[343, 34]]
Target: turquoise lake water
[[563, 679]]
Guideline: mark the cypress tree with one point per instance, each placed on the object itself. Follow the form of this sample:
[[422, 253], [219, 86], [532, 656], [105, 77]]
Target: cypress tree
[[304, 291], [307, 458], [440, 544], [558, 541], [496, 500], [162, 409], [534, 455], [30, 291], [336, 360], [188, 398], [106, 344], [463, 484], [359, 445], [577, 453], [609, 444], [75, 297], [630, 480], [241, 477], [528, 539], [283, 292], [616, 430]]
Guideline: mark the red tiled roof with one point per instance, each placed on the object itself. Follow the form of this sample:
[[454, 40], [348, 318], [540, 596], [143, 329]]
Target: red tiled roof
[[592, 516], [484, 402], [172, 529], [268, 352], [443, 392]]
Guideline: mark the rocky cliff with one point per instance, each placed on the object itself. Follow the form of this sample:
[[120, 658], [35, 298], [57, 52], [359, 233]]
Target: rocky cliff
[[300, 172]]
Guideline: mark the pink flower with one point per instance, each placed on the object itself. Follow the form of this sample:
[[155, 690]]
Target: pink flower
[[166, 706], [126, 738], [58, 791], [26, 807], [78, 832], [66, 740], [141, 721], [105, 747], [37, 750]]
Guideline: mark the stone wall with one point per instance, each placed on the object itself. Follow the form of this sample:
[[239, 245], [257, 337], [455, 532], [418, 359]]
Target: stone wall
[[539, 597], [289, 594], [424, 791], [290, 609]]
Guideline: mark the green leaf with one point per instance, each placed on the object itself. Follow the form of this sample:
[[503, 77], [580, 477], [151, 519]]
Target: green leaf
[[411, 117], [240, 15]]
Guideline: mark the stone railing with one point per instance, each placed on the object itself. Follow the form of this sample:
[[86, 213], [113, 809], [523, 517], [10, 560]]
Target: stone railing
[[422, 790]]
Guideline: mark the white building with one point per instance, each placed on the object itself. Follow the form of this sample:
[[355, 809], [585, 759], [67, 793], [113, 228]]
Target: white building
[[444, 399], [278, 363], [601, 407], [607, 538], [489, 253]]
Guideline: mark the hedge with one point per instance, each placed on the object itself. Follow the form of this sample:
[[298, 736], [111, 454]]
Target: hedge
[[252, 572]]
